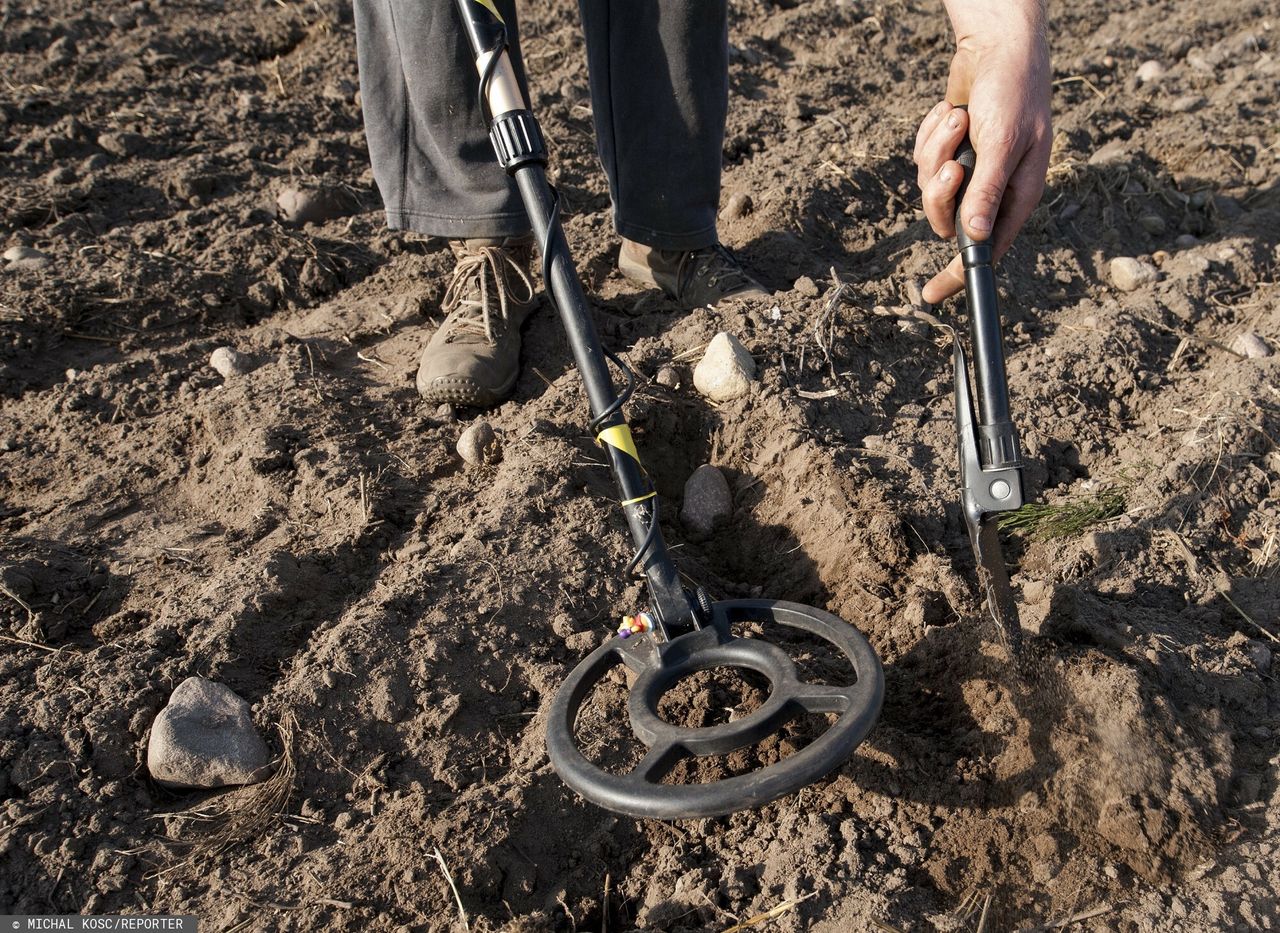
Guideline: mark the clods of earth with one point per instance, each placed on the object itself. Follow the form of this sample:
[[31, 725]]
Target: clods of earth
[[214, 465]]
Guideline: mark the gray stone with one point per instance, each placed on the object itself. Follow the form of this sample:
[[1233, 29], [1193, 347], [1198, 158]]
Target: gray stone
[[446, 412], [738, 205], [1151, 71], [708, 503], [122, 144], [1186, 241], [1260, 654], [725, 371], [807, 287], [1128, 273], [668, 376], [206, 738], [1252, 345], [26, 257], [229, 363], [1152, 223], [1185, 104], [479, 444], [315, 205]]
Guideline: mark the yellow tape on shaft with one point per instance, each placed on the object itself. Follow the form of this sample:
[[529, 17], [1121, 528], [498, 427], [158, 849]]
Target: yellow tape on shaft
[[492, 8], [619, 436]]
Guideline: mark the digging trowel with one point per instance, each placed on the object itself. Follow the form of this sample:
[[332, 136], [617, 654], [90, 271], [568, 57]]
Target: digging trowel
[[990, 454]]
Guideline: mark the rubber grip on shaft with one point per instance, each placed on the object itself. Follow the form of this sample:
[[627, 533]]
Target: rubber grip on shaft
[[967, 156]]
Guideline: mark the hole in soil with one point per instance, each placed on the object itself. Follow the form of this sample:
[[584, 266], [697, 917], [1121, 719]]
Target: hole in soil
[[790, 739], [712, 697]]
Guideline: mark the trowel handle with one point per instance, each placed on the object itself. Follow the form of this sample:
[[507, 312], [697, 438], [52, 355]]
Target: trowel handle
[[997, 437]]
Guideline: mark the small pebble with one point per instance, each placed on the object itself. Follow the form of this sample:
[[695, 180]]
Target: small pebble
[[1260, 654], [1152, 223], [1186, 241], [806, 286], [1185, 104], [726, 370], [314, 205], [229, 363], [446, 412], [479, 444], [1150, 71], [738, 205], [1252, 345], [122, 144], [668, 376], [708, 503], [1128, 273], [26, 257]]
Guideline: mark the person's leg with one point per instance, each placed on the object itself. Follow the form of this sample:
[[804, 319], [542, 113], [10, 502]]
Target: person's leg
[[428, 141], [659, 94]]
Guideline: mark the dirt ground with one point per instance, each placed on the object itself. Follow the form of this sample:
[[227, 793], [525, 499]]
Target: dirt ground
[[306, 534]]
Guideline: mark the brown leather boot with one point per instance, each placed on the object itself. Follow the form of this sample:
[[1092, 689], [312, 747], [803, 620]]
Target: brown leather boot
[[694, 278], [474, 357]]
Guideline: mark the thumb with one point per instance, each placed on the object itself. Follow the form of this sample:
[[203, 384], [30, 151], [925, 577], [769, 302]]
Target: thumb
[[982, 198]]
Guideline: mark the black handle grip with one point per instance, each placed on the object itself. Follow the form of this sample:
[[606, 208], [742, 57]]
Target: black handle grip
[[967, 156], [998, 439]]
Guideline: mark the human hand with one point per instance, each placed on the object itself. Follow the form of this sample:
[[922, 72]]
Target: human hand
[[1003, 76]]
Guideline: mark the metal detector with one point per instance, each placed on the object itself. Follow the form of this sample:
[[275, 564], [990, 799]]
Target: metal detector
[[682, 631]]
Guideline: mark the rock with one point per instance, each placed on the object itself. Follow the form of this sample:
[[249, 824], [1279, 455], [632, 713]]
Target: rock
[[122, 144], [707, 500], [446, 412], [807, 287], [1260, 654], [668, 376], [229, 363], [725, 371], [1185, 104], [1252, 345], [479, 444], [315, 205], [205, 738], [1152, 223], [1111, 153], [1151, 71], [1128, 273], [739, 205], [62, 175], [1186, 241], [26, 257]]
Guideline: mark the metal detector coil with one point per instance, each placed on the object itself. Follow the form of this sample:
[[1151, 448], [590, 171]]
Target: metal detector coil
[[658, 667]]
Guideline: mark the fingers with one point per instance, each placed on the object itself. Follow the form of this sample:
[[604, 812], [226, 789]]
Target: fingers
[[927, 125], [939, 198], [945, 284], [938, 174], [940, 143]]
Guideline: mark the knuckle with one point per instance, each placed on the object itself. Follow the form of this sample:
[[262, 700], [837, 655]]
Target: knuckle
[[985, 193]]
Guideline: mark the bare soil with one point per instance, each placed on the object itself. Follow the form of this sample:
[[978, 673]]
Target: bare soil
[[306, 534]]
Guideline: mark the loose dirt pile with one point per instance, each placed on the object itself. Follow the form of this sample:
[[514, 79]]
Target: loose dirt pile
[[304, 532]]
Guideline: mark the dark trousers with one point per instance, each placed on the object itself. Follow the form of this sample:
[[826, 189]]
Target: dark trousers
[[659, 92]]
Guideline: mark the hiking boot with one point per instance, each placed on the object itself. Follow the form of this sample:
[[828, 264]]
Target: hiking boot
[[694, 278], [474, 357]]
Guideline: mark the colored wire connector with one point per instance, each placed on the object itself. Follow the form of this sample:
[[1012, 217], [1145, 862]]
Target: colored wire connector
[[637, 624]]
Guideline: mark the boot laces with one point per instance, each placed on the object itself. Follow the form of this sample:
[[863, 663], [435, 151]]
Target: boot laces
[[715, 264], [485, 272]]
